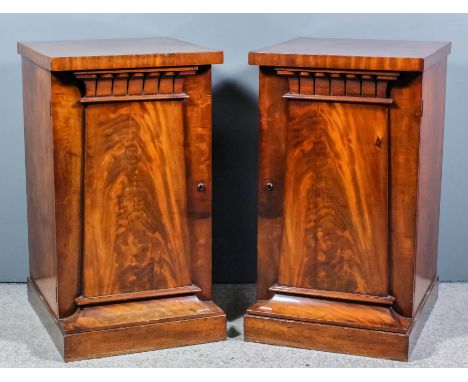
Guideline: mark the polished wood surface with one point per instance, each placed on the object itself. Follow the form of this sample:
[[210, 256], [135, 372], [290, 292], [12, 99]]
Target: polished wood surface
[[40, 181], [331, 338], [198, 161], [331, 53], [334, 295], [429, 181], [346, 339], [335, 202], [117, 53], [135, 85], [130, 327], [135, 208], [118, 165], [67, 118], [145, 294], [349, 193], [404, 157], [272, 160], [338, 86], [135, 313], [328, 311]]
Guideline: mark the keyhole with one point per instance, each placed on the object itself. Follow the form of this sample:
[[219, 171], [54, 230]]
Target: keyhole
[[269, 186], [378, 142], [201, 187]]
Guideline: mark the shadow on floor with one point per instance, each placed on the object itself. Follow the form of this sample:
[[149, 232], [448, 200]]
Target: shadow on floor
[[234, 299]]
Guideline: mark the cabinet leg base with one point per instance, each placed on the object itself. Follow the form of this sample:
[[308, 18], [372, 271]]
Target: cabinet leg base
[[88, 343], [340, 339]]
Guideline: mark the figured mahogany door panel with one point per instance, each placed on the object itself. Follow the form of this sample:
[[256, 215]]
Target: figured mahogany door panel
[[335, 232], [135, 211]]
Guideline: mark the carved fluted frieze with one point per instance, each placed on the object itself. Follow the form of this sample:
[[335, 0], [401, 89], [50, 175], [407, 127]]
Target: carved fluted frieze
[[134, 85], [338, 86]]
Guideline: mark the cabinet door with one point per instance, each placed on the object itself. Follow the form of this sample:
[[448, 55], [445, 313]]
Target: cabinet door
[[135, 208], [335, 208]]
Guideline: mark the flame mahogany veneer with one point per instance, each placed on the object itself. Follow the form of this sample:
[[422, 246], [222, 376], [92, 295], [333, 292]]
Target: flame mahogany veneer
[[351, 136], [118, 164]]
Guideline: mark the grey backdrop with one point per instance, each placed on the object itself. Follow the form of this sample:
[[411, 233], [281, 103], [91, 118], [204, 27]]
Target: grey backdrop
[[235, 118]]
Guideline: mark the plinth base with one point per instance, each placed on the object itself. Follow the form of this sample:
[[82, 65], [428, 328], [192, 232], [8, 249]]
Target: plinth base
[[121, 328], [336, 327]]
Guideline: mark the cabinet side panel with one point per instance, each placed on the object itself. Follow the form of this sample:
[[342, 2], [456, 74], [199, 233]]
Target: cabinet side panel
[[272, 147], [40, 180], [198, 133], [430, 173], [404, 141], [135, 217], [67, 124]]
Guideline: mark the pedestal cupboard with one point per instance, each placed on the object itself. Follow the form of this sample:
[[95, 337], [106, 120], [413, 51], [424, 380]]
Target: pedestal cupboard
[[118, 164], [351, 138]]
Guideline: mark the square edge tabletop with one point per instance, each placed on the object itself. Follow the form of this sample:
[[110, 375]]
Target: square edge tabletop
[[359, 54], [117, 53]]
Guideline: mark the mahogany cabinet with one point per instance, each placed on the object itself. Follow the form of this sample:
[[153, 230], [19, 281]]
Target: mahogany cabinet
[[351, 136], [118, 164]]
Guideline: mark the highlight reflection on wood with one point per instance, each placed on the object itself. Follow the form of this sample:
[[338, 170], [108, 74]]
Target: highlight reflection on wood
[[120, 219], [349, 191], [326, 311]]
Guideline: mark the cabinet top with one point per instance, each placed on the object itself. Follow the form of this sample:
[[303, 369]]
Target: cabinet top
[[331, 53], [117, 53]]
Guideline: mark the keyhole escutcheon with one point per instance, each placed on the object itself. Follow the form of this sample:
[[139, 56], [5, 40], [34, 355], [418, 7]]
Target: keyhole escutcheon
[[201, 187]]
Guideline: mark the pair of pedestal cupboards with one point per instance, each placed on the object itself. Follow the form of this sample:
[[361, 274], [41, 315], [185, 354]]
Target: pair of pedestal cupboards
[[118, 163]]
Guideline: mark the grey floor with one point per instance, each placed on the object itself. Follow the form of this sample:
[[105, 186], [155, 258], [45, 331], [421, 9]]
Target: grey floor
[[443, 342]]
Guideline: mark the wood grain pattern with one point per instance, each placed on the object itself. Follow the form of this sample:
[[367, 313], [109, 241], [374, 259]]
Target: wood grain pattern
[[333, 295], [142, 295], [40, 180], [135, 313], [135, 213], [146, 85], [130, 327], [160, 335], [338, 86], [429, 181], [198, 163], [47, 316], [117, 53], [324, 53], [129, 98], [342, 339], [338, 339], [335, 234], [405, 115], [67, 117], [332, 98], [118, 163], [272, 159], [348, 244], [331, 312], [422, 313]]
